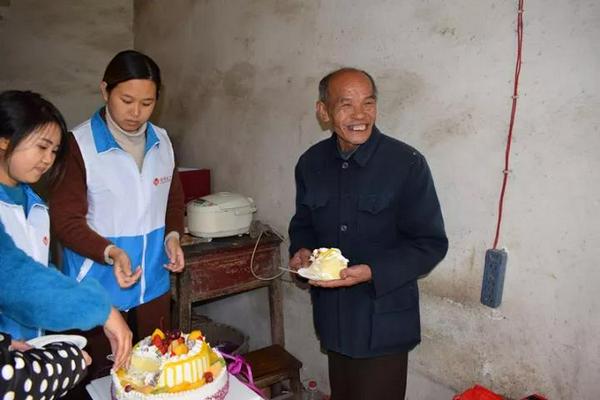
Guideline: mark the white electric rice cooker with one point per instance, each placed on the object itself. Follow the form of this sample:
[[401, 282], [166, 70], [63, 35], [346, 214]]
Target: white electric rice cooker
[[219, 215]]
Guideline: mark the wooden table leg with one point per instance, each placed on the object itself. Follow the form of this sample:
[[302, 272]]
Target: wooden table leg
[[276, 311], [184, 303]]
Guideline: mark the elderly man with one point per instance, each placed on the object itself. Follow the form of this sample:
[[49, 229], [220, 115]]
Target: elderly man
[[373, 197]]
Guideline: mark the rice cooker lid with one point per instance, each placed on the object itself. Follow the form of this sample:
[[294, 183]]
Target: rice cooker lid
[[223, 201]]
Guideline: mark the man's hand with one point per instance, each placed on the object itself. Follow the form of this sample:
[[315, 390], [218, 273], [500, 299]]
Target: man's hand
[[349, 277], [175, 254], [122, 268], [119, 335], [300, 259]]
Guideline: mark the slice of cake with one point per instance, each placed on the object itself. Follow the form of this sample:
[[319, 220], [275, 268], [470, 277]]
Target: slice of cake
[[172, 366], [327, 263]]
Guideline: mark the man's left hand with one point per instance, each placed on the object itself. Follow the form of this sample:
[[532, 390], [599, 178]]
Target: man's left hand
[[349, 277]]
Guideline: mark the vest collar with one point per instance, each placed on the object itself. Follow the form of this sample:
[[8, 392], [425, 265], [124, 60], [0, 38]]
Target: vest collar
[[104, 140], [32, 199]]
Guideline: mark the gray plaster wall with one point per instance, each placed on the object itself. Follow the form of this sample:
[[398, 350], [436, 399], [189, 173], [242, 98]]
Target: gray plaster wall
[[240, 86], [60, 48]]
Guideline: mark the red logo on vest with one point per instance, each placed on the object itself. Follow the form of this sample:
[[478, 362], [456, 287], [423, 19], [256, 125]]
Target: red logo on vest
[[161, 180], [45, 240]]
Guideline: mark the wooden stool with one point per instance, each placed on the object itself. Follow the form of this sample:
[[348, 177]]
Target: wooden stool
[[273, 364]]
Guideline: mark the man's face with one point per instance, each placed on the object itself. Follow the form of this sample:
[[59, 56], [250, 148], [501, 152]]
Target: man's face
[[351, 108]]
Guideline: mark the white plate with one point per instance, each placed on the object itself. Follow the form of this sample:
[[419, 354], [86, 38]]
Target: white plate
[[310, 274], [41, 341]]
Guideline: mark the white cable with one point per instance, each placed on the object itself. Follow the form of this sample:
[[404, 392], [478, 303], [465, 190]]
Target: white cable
[[252, 258]]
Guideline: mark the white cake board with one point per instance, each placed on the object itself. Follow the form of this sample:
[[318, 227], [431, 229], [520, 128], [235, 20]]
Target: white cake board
[[99, 389]]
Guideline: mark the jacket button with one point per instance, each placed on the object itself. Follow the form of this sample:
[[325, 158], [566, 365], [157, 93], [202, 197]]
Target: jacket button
[[344, 228], [345, 165]]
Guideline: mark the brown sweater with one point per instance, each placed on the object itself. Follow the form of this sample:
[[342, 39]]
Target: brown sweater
[[69, 206]]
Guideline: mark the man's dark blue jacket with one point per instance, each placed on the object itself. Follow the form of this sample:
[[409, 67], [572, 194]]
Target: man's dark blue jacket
[[381, 209]]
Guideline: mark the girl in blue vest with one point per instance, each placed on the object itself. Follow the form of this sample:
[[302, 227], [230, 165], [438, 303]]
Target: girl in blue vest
[[32, 143], [119, 211]]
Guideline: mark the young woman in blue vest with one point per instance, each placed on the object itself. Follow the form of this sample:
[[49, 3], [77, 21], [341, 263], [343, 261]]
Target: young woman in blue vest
[[32, 143], [119, 210]]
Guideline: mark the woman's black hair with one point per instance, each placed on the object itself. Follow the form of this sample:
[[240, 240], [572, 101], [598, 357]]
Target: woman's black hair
[[21, 113], [131, 64]]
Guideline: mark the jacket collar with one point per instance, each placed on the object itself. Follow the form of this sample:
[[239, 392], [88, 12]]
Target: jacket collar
[[105, 141], [363, 154]]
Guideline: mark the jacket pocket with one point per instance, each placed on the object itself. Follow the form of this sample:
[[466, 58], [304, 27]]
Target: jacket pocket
[[314, 201], [318, 203], [395, 321], [375, 216]]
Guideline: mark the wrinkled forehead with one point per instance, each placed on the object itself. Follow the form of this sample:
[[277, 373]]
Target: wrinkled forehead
[[346, 82]]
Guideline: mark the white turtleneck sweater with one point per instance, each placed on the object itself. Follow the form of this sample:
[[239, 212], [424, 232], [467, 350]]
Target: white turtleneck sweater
[[133, 143]]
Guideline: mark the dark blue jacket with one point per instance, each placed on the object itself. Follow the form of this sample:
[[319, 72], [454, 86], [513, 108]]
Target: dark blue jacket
[[381, 209]]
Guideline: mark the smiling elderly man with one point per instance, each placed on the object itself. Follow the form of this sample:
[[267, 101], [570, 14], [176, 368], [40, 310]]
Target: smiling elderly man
[[373, 197]]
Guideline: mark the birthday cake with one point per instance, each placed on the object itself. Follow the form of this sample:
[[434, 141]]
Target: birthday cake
[[326, 263], [172, 366]]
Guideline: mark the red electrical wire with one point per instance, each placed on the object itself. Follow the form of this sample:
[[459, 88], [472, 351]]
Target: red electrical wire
[[512, 119]]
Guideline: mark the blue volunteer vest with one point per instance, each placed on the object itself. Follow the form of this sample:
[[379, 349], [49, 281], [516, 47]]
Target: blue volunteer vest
[[31, 233], [126, 206]]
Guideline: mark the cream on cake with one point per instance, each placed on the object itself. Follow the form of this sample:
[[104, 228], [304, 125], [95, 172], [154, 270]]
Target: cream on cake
[[326, 263], [172, 366]]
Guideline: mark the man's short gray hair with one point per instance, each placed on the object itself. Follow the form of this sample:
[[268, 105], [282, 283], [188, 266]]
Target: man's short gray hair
[[324, 83]]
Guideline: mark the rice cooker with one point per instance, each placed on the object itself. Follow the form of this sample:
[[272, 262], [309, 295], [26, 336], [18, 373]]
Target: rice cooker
[[219, 215]]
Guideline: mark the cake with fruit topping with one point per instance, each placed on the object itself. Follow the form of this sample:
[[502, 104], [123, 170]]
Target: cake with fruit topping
[[173, 366], [326, 263]]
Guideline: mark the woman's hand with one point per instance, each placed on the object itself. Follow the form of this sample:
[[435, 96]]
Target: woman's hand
[[86, 357], [122, 268], [175, 254], [119, 335], [19, 345]]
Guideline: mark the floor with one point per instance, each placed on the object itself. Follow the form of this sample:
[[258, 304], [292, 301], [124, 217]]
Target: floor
[[419, 387]]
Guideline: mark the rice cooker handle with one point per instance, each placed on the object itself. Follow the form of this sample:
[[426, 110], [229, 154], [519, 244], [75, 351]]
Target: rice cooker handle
[[246, 210]]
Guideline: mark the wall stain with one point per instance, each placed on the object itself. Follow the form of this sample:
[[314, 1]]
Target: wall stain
[[290, 8], [445, 30], [450, 129], [402, 87], [239, 80]]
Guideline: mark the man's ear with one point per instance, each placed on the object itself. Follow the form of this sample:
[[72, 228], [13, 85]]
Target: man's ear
[[4, 143], [322, 112], [104, 91]]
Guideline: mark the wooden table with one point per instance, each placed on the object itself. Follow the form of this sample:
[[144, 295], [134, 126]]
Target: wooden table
[[221, 268]]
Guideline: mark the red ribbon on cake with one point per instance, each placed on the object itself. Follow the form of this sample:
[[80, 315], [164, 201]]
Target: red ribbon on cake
[[240, 368]]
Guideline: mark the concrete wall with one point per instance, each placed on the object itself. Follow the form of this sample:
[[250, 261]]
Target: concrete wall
[[241, 82], [61, 47]]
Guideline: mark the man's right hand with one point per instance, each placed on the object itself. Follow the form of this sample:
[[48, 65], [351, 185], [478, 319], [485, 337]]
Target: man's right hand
[[122, 268], [119, 335], [300, 259]]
